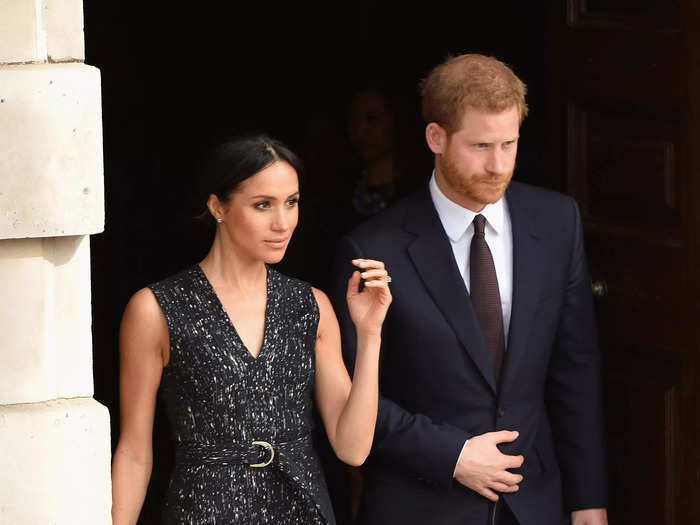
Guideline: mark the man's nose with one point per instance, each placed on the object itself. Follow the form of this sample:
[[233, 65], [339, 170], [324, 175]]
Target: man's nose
[[497, 161]]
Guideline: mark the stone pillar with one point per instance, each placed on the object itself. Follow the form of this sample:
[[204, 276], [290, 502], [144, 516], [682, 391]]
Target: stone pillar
[[54, 437]]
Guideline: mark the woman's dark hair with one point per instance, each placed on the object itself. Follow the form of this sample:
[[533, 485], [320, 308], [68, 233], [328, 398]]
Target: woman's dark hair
[[231, 161]]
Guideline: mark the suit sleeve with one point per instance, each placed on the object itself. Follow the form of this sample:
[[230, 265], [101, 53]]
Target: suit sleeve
[[402, 439], [574, 389]]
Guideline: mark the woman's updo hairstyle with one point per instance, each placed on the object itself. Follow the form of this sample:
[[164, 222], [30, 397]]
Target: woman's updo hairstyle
[[231, 161]]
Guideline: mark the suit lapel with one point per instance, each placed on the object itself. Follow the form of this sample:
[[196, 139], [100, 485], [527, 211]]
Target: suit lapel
[[526, 277], [432, 256]]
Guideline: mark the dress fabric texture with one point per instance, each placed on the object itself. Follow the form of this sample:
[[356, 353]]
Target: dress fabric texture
[[219, 399]]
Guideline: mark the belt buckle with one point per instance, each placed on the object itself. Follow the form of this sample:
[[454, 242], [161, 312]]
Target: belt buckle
[[268, 447]]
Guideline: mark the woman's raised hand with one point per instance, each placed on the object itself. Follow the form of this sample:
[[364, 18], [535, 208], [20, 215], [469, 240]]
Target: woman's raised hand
[[368, 308]]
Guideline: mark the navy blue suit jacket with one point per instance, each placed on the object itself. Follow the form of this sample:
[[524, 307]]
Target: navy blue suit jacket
[[436, 381]]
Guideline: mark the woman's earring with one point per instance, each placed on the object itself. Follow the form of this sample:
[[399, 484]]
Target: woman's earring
[[219, 220]]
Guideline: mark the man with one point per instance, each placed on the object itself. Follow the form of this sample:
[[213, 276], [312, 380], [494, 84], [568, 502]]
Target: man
[[491, 405]]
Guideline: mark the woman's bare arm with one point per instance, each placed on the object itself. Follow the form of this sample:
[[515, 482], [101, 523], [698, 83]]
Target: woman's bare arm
[[349, 409], [143, 351]]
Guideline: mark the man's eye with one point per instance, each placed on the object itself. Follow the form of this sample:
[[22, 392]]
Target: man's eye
[[482, 145]]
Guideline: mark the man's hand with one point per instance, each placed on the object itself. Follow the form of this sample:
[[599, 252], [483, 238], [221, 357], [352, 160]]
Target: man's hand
[[589, 517], [482, 467]]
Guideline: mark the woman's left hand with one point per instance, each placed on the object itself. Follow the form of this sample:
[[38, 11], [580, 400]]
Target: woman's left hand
[[368, 308]]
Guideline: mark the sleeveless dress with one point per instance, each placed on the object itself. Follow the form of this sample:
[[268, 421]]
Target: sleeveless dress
[[241, 425]]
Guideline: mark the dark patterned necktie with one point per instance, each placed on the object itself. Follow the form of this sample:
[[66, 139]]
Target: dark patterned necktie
[[485, 295]]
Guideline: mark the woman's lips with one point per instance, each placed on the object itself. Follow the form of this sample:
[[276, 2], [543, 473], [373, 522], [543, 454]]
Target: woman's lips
[[276, 243]]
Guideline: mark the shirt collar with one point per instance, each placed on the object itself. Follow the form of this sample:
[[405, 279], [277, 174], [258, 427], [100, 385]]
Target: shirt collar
[[456, 219]]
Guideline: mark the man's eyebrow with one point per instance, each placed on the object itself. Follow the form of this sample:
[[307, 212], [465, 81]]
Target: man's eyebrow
[[478, 141]]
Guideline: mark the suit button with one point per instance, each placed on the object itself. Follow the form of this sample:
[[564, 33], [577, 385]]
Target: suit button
[[501, 412]]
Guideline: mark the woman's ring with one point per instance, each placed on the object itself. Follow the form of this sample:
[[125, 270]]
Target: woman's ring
[[388, 278]]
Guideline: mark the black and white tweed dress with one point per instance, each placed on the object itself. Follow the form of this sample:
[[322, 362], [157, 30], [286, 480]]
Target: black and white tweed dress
[[241, 425]]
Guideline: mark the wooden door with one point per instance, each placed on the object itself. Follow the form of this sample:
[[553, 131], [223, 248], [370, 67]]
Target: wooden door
[[626, 107]]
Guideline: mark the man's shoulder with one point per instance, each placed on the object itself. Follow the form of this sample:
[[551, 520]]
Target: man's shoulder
[[537, 194], [392, 220], [540, 202], [546, 213]]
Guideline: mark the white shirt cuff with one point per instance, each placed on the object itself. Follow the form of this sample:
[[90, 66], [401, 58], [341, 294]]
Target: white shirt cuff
[[459, 457]]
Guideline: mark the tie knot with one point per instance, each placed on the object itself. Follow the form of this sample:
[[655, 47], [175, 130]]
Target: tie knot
[[479, 224]]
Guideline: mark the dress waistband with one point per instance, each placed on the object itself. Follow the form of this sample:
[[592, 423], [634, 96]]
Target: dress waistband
[[257, 453]]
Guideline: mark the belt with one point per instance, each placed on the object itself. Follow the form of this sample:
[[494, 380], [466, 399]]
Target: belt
[[257, 453]]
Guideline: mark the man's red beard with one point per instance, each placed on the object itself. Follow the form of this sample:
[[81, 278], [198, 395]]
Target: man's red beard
[[473, 186]]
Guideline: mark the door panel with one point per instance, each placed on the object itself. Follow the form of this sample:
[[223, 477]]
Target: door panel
[[625, 110], [641, 388], [655, 15]]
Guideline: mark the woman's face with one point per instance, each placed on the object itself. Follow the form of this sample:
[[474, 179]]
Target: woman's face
[[261, 214]]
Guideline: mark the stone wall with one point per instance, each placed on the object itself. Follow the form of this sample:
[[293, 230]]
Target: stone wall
[[54, 437]]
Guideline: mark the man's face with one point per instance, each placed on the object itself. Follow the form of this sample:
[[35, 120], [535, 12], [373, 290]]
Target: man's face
[[474, 165]]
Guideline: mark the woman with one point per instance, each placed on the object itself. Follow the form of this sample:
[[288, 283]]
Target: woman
[[238, 350]]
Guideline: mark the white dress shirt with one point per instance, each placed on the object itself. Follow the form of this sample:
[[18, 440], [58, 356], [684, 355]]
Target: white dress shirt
[[458, 225]]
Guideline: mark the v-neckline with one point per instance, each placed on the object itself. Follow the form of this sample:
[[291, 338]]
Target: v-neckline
[[232, 327]]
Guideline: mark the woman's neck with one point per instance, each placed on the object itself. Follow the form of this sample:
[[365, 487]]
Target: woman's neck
[[228, 269]]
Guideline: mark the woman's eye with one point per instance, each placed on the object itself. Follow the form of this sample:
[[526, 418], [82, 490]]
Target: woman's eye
[[293, 202], [261, 205]]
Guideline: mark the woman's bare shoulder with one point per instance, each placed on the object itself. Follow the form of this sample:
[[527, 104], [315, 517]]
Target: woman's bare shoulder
[[143, 304], [143, 320]]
